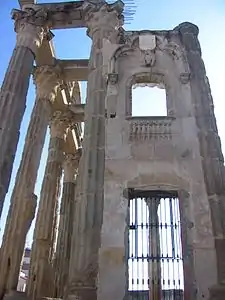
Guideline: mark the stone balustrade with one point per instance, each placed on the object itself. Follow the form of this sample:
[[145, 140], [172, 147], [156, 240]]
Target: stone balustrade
[[150, 128]]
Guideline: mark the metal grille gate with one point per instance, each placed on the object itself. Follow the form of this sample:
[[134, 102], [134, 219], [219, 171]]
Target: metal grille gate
[[155, 265]]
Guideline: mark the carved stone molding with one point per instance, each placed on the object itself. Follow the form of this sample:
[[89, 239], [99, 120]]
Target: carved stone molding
[[31, 27], [149, 58], [38, 18], [102, 15], [185, 78], [47, 79], [113, 78], [146, 129], [59, 123]]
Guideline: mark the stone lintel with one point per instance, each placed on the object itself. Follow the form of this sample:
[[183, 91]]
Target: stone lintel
[[71, 14], [78, 110], [63, 15], [76, 69]]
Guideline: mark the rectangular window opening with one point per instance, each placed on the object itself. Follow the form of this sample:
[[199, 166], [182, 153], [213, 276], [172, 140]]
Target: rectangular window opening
[[148, 101], [154, 246]]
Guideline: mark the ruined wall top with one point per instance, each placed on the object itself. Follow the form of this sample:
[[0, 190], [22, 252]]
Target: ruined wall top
[[67, 14]]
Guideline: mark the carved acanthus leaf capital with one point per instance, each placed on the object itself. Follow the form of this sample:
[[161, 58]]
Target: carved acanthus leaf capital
[[60, 122], [103, 16], [47, 79], [32, 26]]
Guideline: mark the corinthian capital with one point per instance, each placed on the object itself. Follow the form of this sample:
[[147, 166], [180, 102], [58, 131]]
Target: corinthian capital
[[103, 16], [60, 122], [31, 27], [48, 80]]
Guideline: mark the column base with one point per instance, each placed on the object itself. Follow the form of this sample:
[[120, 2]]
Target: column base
[[217, 292]]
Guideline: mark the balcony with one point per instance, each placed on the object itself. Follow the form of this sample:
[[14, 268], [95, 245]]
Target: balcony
[[150, 128]]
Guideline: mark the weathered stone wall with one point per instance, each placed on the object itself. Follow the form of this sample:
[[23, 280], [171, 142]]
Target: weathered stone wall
[[153, 153]]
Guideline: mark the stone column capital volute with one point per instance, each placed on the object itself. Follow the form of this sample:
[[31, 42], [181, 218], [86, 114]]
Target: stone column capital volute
[[48, 80], [31, 27]]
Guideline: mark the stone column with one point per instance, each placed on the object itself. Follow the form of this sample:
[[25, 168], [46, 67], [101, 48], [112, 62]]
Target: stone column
[[40, 281], [102, 23], [23, 201], [70, 166], [154, 249], [210, 145], [31, 28]]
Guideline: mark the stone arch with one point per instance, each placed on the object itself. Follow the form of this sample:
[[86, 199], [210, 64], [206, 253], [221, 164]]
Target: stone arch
[[178, 56], [113, 66]]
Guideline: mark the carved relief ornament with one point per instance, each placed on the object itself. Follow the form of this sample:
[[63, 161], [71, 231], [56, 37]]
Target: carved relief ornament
[[60, 122], [104, 16], [32, 26], [111, 95], [48, 80]]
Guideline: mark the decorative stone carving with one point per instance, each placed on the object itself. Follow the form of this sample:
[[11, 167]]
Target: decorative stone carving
[[149, 58], [31, 27], [111, 95], [150, 85], [36, 17], [48, 80], [59, 121], [147, 129], [107, 16], [113, 78], [185, 78]]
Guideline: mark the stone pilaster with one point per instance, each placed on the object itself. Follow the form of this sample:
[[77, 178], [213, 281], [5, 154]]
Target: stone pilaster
[[31, 28], [23, 202], [40, 281], [209, 141], [102, 23], [154, 250], [61, 263]]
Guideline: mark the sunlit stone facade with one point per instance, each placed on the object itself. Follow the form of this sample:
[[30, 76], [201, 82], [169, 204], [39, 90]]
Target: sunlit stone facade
[[81, 240]]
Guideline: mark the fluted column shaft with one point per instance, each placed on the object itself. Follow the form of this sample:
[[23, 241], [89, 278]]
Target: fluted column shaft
[[70, 166], [90, 184], [154, 250], [23, 202], [40, 281], [14, 90]]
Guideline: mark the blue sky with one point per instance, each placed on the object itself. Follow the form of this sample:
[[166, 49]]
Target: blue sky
[[209, 15]]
